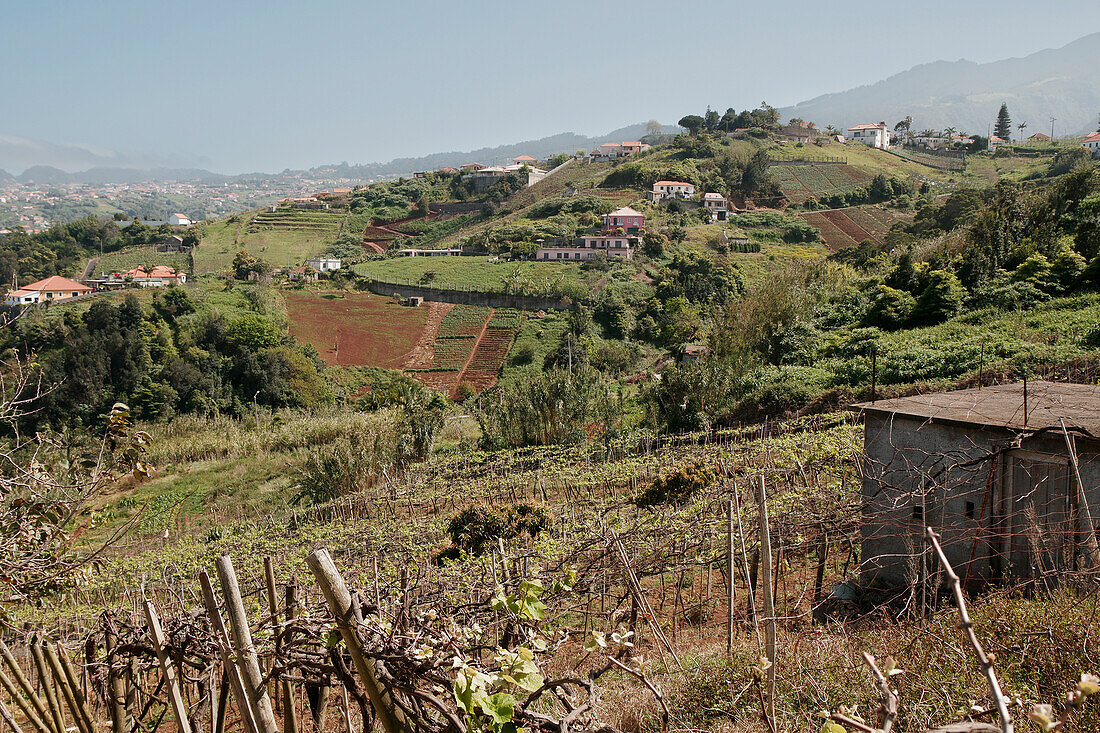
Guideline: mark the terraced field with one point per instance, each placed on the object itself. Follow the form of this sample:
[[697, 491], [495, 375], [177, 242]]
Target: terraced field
[[470, 347], [301, 220], [801, 182], [846, 227]]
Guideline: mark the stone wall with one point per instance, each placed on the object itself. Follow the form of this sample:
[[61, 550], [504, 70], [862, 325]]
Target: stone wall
[[469, 297]]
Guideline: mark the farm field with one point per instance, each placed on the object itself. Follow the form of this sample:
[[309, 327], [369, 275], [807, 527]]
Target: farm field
[[222, 240], [468, 272], [470, 348], [846, 227], [126, 259], [357, 329], [801, 182], [320, 222]]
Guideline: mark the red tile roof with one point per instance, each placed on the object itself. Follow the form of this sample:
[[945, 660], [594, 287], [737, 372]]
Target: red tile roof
[[673, 183], [56, 283], [867, 126], [524, 158], [1090, 138]]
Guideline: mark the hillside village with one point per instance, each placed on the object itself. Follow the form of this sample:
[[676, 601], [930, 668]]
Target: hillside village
[[693, 432]]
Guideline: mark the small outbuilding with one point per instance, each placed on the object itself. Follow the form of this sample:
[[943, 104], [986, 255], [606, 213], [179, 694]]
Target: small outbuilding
[[1008, 475]]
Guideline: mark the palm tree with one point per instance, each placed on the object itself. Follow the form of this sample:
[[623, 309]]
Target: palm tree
[[1021, 127]]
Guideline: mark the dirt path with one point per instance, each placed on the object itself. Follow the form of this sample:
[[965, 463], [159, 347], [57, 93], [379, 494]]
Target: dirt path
[[422, 354], [89, 268], [477, 342]]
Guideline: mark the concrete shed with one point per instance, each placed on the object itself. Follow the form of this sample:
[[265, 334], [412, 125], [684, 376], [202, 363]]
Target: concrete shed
[[996, 480]]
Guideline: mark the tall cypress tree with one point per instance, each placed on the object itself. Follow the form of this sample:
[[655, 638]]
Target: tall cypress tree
[[1003, 128]]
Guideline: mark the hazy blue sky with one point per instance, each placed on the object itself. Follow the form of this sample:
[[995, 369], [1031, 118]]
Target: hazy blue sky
[[241, 86]]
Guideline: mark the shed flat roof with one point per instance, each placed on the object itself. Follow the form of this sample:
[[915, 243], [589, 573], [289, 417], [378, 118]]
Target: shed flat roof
[[1002, 406]]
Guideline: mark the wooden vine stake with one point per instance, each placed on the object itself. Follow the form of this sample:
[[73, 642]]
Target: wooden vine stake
[[175, 695], [290, 713], [56, 714], [66, 691], [766, 588], [339, 600], [116, 684], [248, 661], [31, 705], [73, 681], [231, 673]]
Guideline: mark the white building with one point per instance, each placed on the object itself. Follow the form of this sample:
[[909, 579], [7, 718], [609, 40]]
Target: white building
[[717, 205], [671, 190], [587, 247], [324, 264], [875, 135], [179, 220], [1092, 142]]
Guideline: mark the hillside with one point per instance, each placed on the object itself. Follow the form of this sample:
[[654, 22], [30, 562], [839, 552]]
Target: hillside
[[966, 95]]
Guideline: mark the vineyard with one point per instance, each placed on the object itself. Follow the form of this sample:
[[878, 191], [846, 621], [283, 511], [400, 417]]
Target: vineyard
[[629, 587], [802, 182], [131, 257], [847, 227]]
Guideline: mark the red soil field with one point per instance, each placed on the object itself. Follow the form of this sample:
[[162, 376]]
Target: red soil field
[[846, 225], [355, 329]]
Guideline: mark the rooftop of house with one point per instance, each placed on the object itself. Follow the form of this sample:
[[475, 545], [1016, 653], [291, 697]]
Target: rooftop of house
[[673, 183], [713, 197], [635, 143], [868, 126], [625, 211], [995, 139], [524, 159], [155, 271], [1092, 137], [55, 282], [180, 216], [1002, 406]]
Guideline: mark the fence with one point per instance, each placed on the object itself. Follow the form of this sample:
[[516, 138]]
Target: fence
[[807, 160], [467, 295], [930, 159]]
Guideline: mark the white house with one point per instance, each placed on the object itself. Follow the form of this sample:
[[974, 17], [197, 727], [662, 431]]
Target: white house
[[586, 248], [1092, 142], [717, 205], [875, 135], [324, 264], [179, 220], [670, 190], [51, 289]]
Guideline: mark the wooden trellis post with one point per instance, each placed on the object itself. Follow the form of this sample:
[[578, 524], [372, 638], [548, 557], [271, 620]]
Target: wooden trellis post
[[766, 586], [175, 695], [339, 600]]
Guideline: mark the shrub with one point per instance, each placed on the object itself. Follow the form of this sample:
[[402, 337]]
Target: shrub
[[678, 485], [475, 527], [340, 469]]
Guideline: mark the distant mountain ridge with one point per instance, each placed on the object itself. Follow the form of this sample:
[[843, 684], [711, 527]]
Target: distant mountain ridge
[[1060, 83], [566, 142]]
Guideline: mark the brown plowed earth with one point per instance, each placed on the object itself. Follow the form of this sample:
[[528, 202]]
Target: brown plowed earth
[[422, 354], [846, 225]]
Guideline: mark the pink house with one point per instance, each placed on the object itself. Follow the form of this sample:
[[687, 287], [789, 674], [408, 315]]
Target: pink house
[[626, 217]]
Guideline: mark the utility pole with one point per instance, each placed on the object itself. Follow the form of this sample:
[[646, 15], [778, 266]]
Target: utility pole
[[1052, 120]]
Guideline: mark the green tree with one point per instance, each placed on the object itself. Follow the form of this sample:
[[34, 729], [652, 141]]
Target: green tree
[[1003, 127], [890, 309], [692, 123], [653, 127], [711, 120], [941, 298]]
